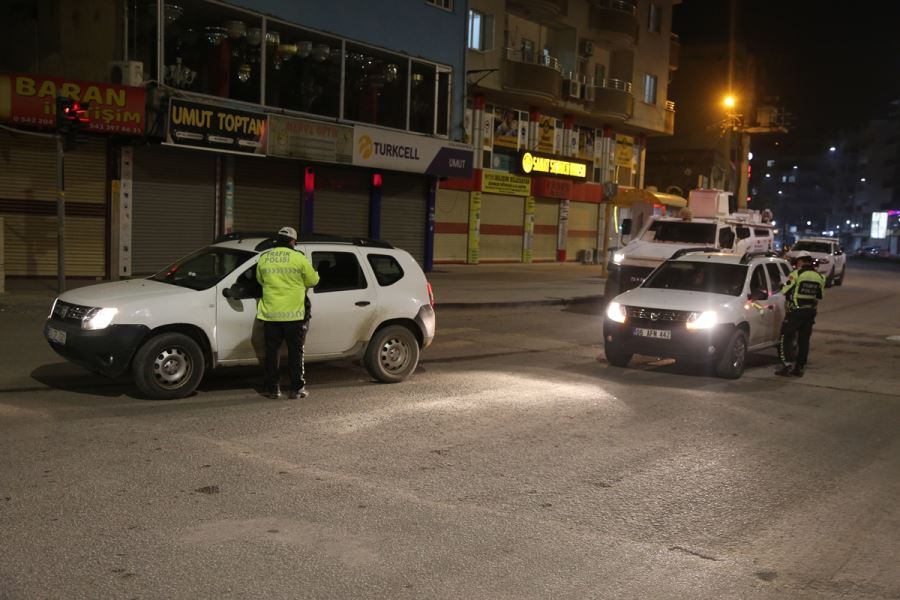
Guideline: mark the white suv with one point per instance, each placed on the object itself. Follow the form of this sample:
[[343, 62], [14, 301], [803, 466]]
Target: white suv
[[830, 260], [700, 307], [372, 302]]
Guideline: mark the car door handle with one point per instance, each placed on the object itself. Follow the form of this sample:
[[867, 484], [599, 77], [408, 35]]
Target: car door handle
[[363, 303]]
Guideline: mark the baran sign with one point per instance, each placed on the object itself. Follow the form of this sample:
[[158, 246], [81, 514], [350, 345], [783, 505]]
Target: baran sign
[[31, 100], [397, 151], [216, 128], [548, 164]]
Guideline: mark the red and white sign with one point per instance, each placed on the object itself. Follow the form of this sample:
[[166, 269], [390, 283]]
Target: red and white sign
[[31, 100]]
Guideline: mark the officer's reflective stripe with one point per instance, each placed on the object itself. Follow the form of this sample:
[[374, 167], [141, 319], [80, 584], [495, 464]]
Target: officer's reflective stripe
[[281, 270], [282, 314]]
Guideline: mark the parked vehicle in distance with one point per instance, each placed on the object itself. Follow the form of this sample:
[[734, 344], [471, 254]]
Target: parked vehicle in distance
[[700, 308], [372, 303], [829, 257]]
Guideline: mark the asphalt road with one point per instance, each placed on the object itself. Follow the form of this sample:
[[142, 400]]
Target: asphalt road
[[515, 464]]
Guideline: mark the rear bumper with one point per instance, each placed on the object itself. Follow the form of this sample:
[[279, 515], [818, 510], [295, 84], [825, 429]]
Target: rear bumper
[[684, 344]]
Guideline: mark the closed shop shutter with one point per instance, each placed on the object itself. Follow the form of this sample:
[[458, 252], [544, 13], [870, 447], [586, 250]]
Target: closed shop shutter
[[583, 219], [28, 206], [451, 226], [267, 194], [502, 227], [546, 228], [174, 196], [341, 203], [403, 220]]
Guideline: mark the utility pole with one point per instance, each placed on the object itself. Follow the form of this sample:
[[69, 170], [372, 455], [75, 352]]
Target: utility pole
[[60, 213]]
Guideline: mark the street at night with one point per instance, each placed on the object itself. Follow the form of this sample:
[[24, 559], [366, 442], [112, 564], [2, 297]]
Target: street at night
[[515, 463]]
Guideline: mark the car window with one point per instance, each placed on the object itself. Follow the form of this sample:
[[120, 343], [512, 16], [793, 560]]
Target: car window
[[338, 271], [758, 281], [742, 232], [775, 276], [765, 233], [716, 278], [204, 268], [681, 231], [387, 270], [822, 247], [784, 269]]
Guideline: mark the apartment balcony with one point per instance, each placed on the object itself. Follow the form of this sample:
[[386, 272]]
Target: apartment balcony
[[539, 11], [532, 74], [616, 20], [669, 118], [674, 52], [611, 98]]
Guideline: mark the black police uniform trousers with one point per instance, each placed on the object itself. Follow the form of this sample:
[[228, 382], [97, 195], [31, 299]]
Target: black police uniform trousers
[[799, 322], [293, 333]]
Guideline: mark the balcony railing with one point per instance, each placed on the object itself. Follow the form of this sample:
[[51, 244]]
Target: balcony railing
[[532, 73], [612, 97], [670, 105], [616, 19]]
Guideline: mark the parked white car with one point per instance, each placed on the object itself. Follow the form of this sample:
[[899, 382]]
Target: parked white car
[[829, 257], [372, 303], [700, 308]]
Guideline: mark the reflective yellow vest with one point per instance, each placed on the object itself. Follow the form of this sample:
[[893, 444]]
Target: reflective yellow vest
[[284, 274], [804, 289]]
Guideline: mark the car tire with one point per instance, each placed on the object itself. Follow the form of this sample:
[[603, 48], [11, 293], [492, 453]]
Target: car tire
[[616, 356], [392, 354], [840, 280], [829, 281], [168, 366], [731, 363]]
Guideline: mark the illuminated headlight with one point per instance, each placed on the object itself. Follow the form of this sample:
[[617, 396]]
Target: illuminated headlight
[[53, 308], [98, 318], [616, 312], [618, 257], [703, 320]]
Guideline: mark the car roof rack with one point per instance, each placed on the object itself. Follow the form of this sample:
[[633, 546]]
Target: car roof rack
[[748, 256], [684, 251]]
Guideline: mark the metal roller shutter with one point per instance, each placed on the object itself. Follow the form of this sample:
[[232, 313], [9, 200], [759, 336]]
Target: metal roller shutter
[[341, 202], [267, 194], [403, 214], [28, 205], [546, 228], [174, 197], [583, 219], [502, 228]]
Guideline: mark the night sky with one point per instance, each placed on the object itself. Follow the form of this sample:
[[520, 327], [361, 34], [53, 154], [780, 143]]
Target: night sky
[[834, 65]]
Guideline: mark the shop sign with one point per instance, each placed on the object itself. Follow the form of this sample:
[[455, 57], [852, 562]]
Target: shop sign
[[31, 100], [550, 187], [473, 251], [211, 127], [534, 163], [309, 140], [398, 151], [624, 151], [500, 182]]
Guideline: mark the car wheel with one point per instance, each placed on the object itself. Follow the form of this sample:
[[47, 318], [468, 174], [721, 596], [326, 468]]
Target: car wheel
[[840, 280], [829, 281], [731, 363], [392, 354], [168, 366], [616, 356]]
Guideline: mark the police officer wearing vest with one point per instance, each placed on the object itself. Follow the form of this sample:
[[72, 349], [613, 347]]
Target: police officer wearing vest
[[284, 274], [802, 292]]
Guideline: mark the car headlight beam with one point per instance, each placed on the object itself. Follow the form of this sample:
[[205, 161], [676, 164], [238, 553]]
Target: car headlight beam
[[616, 312], [98, 318], [618, 257], [704, 320]]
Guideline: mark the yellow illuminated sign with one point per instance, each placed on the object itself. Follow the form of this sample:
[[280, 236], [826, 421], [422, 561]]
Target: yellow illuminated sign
[[551, 165]]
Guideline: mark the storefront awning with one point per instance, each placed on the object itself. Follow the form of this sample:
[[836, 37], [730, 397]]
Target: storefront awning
[[628, 196]]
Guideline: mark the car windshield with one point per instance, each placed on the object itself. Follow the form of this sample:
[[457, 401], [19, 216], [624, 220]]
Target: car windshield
[[715, 278], [204, 268], [823, 247], [681, 231]]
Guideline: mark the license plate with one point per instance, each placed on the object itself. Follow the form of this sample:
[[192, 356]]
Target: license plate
[[659, 334], [57, 336]]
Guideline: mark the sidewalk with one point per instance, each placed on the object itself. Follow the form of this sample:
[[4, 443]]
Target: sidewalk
[[454, 286]]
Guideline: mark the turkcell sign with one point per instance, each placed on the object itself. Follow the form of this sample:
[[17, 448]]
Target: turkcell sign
[[398, 151]]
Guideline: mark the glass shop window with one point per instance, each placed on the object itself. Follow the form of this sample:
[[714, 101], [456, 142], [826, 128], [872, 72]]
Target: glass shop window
[[375, 87], [422, 97], [303, 72]]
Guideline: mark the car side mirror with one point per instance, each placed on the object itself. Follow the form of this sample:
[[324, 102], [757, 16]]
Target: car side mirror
[[228, 293], [626, 226]]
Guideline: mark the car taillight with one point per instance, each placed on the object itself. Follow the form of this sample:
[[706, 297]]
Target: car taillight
[[430, 293]]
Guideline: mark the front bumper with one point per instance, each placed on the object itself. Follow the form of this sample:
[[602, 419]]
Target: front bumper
[[105, 351], [684, 344]]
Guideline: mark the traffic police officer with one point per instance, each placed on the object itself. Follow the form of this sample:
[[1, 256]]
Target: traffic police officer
[[284, 274], [802, 292]]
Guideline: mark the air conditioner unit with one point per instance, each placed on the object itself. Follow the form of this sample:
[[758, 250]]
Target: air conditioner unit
[[574, 90], [587, 48], [127, 72]]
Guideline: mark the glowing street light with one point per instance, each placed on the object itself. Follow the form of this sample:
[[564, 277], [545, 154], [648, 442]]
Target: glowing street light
[[729, 101], [832, 149], [808, 223]]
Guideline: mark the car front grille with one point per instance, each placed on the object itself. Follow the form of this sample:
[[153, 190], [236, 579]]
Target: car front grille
[[70, 313], [657, 314]]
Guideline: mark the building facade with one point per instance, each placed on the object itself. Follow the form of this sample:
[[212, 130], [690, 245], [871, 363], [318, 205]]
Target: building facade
[[561, 98], [209, 117]]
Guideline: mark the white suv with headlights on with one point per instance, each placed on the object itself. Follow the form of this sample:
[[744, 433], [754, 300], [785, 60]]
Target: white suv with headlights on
[[700, 308], [372, 303], [830, 260]]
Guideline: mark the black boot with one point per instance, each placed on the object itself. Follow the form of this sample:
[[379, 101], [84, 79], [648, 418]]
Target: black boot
[[785, 371]]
